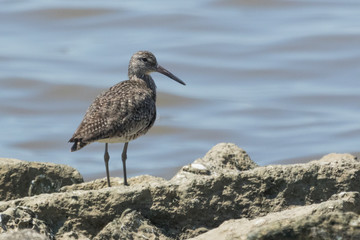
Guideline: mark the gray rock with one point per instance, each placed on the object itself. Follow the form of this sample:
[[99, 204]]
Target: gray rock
[[337, 218], [20, 178], [18, 218], [130, 225], [26, 234], [223, 185], [222, 158], [115, 182]]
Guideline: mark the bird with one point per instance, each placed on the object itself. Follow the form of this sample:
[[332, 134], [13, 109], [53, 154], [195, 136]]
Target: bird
[[124, 112]]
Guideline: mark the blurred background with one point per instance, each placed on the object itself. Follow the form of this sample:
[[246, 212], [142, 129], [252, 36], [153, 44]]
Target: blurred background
[[279, 78]]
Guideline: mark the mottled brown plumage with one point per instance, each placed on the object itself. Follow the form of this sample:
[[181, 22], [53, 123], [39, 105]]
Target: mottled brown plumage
[[124, 112]]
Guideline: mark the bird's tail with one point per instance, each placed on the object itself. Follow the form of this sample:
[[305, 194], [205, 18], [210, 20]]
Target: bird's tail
[[78, 144]]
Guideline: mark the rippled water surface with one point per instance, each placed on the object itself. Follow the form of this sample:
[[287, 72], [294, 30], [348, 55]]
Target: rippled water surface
[[278, 78]]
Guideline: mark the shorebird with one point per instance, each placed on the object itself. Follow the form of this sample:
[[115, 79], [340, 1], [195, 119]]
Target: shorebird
[[125, 111]]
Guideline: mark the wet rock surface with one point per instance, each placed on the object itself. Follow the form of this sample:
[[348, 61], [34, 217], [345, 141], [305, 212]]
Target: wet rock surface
[[223, 195]]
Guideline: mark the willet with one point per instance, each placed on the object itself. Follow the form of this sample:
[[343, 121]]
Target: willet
[[124, 112]]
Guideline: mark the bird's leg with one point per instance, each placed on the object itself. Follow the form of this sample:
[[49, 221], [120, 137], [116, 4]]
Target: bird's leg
[[106, 159], [123, 157]]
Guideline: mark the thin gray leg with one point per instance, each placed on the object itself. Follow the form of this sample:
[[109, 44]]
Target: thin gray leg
[[106, 159], [124, 157]]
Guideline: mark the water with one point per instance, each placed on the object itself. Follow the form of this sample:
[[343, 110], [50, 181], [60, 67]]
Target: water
[[278, 78]]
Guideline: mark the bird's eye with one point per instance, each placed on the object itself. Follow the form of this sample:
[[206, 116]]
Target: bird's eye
[[144, 59]]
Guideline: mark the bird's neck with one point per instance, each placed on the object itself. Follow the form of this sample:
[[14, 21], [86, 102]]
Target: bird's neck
[[148, 81]]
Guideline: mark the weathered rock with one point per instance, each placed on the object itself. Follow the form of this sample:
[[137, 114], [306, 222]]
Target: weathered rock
[[222, 158], [229, 186], [115, 182], [130, 225], [26, 234], [18, 218], [337, 218], [20, 178]]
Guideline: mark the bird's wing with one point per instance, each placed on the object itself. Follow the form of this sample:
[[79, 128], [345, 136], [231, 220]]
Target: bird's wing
[[122, 111]]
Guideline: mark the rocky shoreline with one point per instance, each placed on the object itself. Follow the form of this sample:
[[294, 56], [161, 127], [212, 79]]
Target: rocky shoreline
[[223, 195]]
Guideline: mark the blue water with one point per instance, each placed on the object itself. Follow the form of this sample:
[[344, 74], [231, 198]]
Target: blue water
[[278, 78]]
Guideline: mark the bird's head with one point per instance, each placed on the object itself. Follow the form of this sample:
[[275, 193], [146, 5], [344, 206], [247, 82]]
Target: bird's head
[[144, 62]]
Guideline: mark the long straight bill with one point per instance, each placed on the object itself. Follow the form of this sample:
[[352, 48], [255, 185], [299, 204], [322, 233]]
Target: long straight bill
[[162, 70]]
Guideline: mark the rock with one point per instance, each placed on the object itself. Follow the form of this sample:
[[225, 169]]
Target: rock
[[130, 225], [221, 158], [337, 218], [223, 185], [17, 218], [26, 234], [115, 182], [20, 178]]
